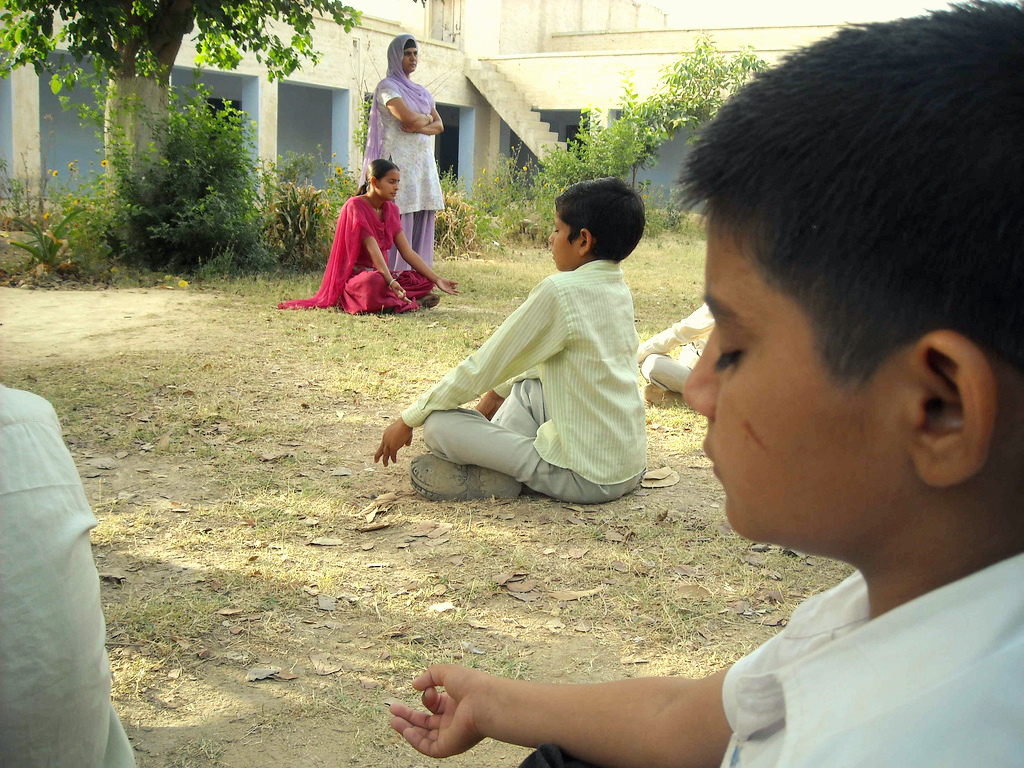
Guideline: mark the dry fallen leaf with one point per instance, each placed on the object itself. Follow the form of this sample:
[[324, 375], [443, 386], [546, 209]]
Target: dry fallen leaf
[[261, 673], [230, 611], [575, 595], [576, 553], [285, 674], [114, 577], [323, 665], [341, 472], [441, 607], [369, 683], [326, 602], [521, 586], [660, 478], [328, 542]]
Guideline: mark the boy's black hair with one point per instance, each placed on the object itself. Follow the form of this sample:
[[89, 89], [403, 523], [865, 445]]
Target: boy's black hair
[[877, 178], [610, 209]]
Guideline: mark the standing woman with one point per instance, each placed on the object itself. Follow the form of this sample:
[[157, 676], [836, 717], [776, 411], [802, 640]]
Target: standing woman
[[403, 118]]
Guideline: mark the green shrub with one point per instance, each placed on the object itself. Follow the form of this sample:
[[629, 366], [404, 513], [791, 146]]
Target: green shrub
[[505, 198], [455, 228], [197, 204], [298, 216]]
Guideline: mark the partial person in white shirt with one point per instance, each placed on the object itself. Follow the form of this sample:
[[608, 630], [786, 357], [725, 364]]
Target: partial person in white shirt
[[864, 391], [55, 708], [666, 376]]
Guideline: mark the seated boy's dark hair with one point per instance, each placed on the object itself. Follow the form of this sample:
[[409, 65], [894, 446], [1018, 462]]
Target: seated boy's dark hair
[[877, 178], [610, 209]]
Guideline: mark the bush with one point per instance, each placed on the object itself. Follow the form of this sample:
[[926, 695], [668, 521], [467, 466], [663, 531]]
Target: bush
[[298, 219], [197, 205], [455, 228], [506, 200]]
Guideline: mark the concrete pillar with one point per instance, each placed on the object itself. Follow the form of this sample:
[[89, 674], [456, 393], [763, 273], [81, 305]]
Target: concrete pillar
[[25, 160], [341, 108], [259, 99], [467, 146]]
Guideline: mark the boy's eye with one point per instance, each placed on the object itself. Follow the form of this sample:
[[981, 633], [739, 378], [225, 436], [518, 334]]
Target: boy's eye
[[727, 359]]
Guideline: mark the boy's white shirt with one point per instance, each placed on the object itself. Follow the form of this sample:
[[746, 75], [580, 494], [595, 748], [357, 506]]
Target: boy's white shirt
[[935, 682], [576, 333], [55, 707]]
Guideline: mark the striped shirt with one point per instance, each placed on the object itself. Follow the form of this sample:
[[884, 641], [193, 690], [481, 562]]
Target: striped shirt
[[575, 332]]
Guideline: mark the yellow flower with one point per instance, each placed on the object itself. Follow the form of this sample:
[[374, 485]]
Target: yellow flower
[[113, 269], [183, 283], [168, 277], [46, 216], [103, 162], [71, 165], [337, 169], [54, 173]]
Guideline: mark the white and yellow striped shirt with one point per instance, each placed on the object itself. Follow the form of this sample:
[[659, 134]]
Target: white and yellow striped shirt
[[575, 332]]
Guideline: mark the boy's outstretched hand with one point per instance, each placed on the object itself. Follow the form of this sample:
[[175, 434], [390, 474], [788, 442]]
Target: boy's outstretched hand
[[450, 728], [395, 436]]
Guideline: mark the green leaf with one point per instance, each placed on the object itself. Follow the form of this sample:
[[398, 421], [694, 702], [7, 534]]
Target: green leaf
[[56, 84]]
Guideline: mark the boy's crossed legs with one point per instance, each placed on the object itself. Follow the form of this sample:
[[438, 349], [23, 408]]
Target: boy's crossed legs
[[505, 444]]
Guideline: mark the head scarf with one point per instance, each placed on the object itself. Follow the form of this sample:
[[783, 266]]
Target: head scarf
[[415, 96]]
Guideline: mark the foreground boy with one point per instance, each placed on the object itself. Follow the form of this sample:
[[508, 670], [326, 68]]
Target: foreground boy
[[864, 389], [560, 411]]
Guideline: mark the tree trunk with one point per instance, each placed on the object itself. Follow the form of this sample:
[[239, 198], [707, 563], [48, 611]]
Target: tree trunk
[[136, 112]]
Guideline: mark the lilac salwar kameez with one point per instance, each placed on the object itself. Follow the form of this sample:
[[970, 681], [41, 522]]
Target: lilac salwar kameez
[[419, 196]]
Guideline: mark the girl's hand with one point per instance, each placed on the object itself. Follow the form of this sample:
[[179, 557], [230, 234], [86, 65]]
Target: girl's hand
[[398, 290], [448, 286]]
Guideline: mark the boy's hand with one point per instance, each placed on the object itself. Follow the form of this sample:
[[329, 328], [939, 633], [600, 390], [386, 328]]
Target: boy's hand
[[395, 436], [450, 728], [489, 404]]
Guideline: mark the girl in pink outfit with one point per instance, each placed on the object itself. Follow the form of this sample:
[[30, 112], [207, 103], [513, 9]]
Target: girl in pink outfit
[[357, 277]]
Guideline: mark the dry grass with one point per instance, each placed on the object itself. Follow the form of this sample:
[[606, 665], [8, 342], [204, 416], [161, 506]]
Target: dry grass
[[237, 449]]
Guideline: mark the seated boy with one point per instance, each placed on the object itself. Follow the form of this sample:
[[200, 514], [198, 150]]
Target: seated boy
[[560, 411], [864, 390], [667, 377]]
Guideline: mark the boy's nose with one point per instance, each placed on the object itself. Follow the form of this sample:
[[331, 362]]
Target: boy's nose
[[701, 389]]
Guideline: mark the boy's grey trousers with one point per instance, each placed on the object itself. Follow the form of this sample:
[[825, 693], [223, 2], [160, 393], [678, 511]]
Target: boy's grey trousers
[[506, 444]]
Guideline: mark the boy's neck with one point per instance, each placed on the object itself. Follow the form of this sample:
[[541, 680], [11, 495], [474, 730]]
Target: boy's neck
[[942, 549]]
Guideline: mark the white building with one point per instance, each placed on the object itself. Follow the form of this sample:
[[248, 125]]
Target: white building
[[502, 71]]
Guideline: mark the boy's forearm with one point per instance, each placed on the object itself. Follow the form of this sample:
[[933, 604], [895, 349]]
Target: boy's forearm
[[642, 722]]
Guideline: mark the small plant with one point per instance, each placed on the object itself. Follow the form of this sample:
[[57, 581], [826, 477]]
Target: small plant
[[297, 215], [47, 245], [455, 233]]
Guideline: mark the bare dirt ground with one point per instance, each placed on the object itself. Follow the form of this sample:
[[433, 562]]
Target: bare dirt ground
[[243, 526]]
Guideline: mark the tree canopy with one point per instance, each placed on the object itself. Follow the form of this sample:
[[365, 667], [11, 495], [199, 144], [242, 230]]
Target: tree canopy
[[141, 38]]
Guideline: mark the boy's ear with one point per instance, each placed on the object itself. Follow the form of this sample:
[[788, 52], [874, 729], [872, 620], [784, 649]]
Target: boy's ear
[[585, 242], [953, 403]]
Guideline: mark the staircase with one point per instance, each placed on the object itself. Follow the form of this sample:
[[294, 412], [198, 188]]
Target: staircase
[[512, 107]]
